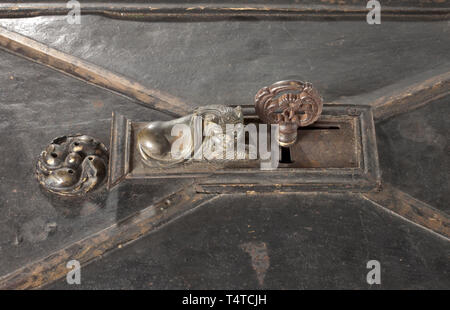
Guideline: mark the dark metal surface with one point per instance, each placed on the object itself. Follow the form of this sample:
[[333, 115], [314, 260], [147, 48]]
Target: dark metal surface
[[414, 153], [311, 240], [228, 62]]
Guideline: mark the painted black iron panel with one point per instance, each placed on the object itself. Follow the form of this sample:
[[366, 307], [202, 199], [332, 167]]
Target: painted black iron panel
[[306, 241]]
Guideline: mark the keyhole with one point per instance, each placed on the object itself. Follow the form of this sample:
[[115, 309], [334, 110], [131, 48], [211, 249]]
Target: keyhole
[[285, 156]]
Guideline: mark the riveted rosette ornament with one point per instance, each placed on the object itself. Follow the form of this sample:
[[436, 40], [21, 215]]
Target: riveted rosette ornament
[[290, 104], [72, 165]]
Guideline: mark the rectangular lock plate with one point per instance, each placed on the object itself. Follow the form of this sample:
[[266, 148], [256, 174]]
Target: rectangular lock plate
[[336, 153]]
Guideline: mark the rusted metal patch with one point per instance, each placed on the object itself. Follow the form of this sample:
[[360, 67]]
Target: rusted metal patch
[[259, 257]]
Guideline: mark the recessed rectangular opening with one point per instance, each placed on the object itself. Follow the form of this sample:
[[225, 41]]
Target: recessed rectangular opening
[[329, 143], [338, 151], [285, 155]]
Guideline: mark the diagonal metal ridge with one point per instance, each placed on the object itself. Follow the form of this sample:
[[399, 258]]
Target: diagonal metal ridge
[[411, 209], [406, 98], [78, 68], [405, 95], [53, 267], [192, 11]]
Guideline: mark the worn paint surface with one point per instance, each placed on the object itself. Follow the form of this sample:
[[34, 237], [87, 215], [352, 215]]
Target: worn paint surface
[[260, 258], [312, 241]]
